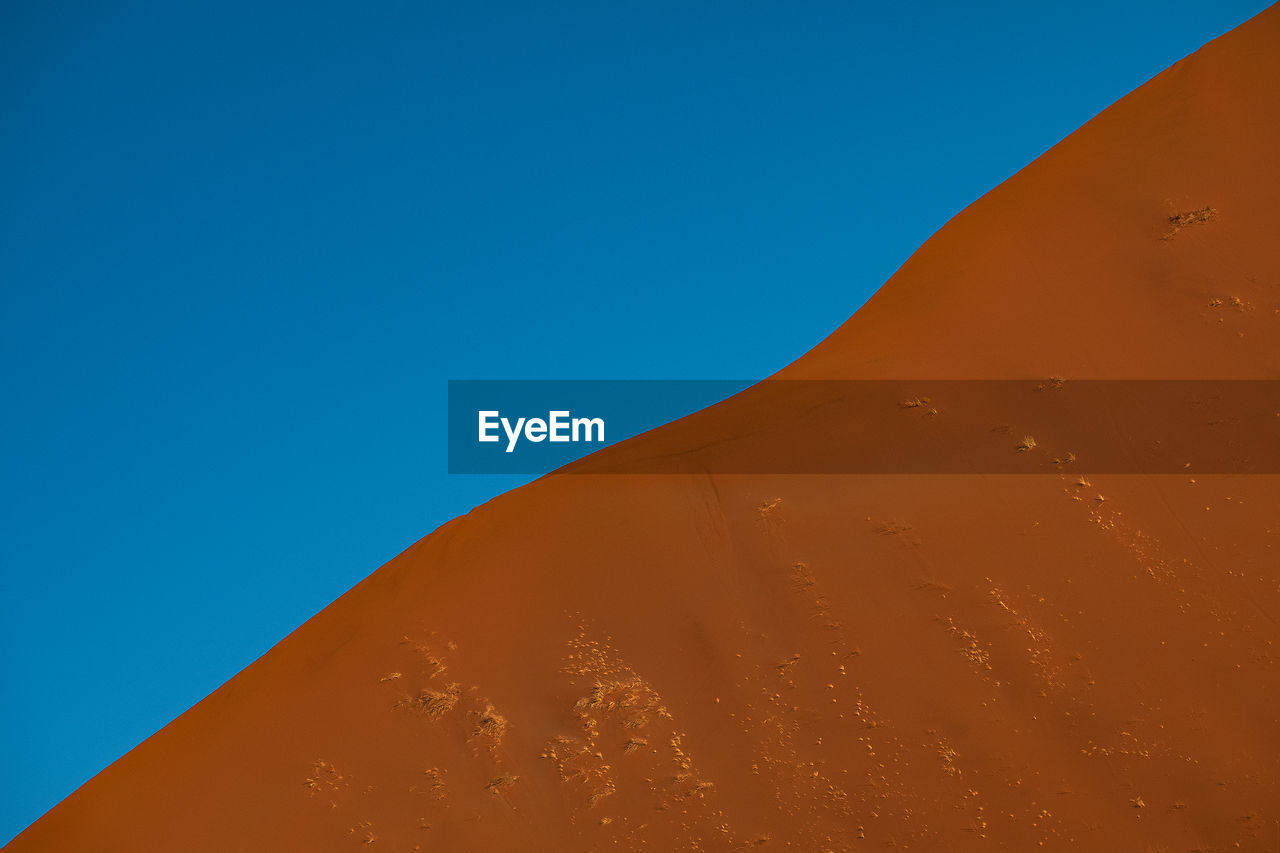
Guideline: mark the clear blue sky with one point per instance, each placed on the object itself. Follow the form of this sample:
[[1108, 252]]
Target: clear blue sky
[[242, 247]]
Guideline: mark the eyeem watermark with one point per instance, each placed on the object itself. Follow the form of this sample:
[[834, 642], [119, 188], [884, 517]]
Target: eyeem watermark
[[1060, 426], [558, 426], [501, 426]]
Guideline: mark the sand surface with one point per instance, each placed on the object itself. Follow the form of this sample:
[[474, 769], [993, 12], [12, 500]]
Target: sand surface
[[708, 661]]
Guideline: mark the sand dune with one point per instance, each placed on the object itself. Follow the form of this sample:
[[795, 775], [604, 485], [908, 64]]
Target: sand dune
[[710, 661]]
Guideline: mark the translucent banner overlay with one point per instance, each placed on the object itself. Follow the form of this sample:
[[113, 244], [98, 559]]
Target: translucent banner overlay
[[864, 426]]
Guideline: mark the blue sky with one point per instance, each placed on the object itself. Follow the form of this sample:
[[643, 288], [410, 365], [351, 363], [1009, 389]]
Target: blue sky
[[243, 247]]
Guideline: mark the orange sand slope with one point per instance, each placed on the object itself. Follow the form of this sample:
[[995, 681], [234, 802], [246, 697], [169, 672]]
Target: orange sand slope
[[1058, 661]]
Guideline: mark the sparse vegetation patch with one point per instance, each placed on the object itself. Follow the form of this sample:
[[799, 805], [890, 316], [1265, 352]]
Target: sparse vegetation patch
[[1178, 221]]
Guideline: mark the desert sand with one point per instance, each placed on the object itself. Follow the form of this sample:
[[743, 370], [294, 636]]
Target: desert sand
[[1063, 660]]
